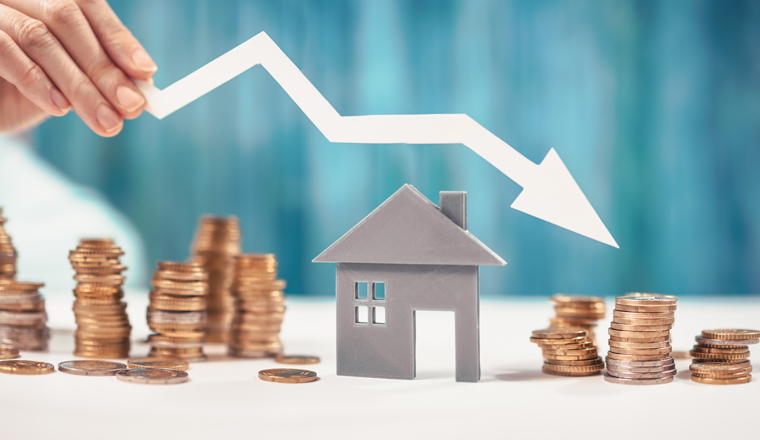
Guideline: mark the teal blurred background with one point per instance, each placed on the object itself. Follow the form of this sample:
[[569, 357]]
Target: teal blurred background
[[654, 106]]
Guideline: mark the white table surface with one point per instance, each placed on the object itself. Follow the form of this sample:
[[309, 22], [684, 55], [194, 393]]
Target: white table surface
[[513, 400]]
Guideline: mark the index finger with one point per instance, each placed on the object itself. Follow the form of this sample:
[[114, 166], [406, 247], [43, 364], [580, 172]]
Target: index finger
[[117, 40]]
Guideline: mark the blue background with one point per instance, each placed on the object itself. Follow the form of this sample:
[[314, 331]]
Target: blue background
[[654, 106]]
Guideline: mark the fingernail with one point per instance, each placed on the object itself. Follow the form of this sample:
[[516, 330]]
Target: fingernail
[[60, 101], [107, 118], [128, 98], [144, 61]]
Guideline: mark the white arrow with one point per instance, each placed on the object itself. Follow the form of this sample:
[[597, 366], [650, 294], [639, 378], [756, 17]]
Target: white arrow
[[549, 191]]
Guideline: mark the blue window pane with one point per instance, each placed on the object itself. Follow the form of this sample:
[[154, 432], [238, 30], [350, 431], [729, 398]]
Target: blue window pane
[[361, 289], [379, 291]]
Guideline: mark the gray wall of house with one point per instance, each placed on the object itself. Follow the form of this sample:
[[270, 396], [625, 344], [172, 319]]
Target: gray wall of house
[[388, 350]]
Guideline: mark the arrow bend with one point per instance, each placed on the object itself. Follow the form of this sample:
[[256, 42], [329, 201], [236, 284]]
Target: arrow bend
[[549, 191]]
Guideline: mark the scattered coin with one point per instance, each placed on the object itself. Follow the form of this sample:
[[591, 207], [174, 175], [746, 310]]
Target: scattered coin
[[25, 367], [91, 368], [170, 364], [153, 376], [285, 375], [296, 359]]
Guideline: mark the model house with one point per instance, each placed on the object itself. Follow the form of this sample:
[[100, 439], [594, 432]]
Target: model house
[[407, 255]]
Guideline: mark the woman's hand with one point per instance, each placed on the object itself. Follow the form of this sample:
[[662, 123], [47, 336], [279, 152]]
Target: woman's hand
[[56, 55]]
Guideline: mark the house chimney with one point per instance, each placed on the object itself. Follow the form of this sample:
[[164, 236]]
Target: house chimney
[[453, 204]]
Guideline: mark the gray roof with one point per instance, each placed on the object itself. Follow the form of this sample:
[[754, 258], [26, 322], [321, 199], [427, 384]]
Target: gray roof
[[409, 229]]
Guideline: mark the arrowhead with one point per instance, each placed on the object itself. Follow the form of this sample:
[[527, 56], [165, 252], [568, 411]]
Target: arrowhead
[[554, 196]]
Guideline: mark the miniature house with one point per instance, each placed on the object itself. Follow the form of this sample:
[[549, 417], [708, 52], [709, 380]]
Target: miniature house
[[407, 255]]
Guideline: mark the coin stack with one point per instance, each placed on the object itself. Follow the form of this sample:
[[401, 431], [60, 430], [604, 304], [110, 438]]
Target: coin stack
[[8, 255], [177, 311], [259, 307], [22, 316], [579, 312], [640, 340], [721, 356], [103, 327], [217, 241], [567, 352]]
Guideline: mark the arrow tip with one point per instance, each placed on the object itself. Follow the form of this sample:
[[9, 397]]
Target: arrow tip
[[554, 196]]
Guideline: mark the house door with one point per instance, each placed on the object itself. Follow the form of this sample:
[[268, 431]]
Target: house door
[[435, 344]]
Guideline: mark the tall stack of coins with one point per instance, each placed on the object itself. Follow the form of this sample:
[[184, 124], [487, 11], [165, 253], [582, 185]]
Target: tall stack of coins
[[217, 241], [721, 356], [177, 311], [567, 352], [640, 340], [22, 316], [259, 307], [576, 311], [8, 255], [103, 327]]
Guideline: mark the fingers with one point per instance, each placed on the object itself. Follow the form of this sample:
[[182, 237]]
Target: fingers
[[34, 39], [68, 23], [18, 112], [30, 79], [118, 42]]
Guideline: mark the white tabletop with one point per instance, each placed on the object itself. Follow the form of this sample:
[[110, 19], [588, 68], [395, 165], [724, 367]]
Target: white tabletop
[[513, 399]]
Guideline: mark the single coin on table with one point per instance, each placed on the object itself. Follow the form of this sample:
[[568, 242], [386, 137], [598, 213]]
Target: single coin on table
[[171, 364], [296, 359], [286, 375], [626, 381], [153, 376], [9, 353], [26, 367], [731, 334], [91, 368], [721, 381]]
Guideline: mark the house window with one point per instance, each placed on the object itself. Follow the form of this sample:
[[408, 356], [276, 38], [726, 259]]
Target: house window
[[369, 306]]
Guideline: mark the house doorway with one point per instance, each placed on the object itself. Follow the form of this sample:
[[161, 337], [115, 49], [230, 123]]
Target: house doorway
[[435, 344]]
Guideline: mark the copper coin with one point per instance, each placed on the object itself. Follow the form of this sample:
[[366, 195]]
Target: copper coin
[[296, 359], [91, 368], [286, 375], [153, 376], [731, 334], [25, 367]]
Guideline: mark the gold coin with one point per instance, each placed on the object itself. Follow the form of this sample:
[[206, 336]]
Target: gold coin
[[720, 350], [572, 352], [286, 375], [296, 359], [558, 341], [549, 333], [171, 364], [714, 381], [700, 355], [26, 367], [731, 334], [8, 353]]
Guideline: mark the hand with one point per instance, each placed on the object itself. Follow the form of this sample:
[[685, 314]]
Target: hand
[[61, 54]]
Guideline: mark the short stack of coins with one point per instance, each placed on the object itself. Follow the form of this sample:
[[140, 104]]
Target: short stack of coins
[[177, 311], [640, 340], [567, 352], [22, 316], [8, 255], [721, 356], [103, 327], [259, 307], [579, 312], [216, 242]]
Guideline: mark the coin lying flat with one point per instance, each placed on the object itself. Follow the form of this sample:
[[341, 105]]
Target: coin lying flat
[[708, 342], [551, 333], [296, 359], [9, 353], [721, 381], [26, 367], [731, 334], [91, 368], [170, 364], [626, 381], [153, 376], [286, 375]]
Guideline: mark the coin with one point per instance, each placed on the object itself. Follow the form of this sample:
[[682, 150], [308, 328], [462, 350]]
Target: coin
[[708, 342], [639, 328], [90, 368], [153, 376], [645, 309], [558, 333], [681, 354], [638, 375], [655, 317], [630, 357], [701, 349], [655, 363], [285, 375], [170, 364], [638, 345], [716, 381], [641, 352], [628, 381], [568, 341], [731, 334], [26, 367], [296, 359], [625, 368], [583, 362], [645, 301], [8, 353], [700, 355], [637, 335]]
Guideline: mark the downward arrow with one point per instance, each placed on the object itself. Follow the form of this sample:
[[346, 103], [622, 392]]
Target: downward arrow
[[549, 191]]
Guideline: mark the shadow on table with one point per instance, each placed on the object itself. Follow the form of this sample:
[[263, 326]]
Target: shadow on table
[[524, 375]]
